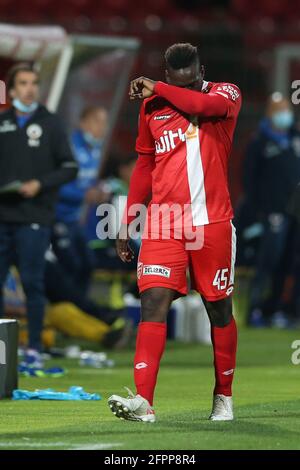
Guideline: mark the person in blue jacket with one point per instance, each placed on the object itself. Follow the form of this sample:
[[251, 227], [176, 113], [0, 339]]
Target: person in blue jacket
[[271, 174], [69, 239]]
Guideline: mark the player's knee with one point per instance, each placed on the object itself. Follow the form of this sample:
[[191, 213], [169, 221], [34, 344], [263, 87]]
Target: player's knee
[[219, 312], [155, 305]]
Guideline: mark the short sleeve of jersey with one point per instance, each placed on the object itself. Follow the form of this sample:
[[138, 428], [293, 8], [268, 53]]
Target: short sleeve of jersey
[[144, 143], [231, 94]]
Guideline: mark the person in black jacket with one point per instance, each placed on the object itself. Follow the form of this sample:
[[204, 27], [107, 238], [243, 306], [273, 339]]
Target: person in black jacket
[[271, 174], [35, 160]]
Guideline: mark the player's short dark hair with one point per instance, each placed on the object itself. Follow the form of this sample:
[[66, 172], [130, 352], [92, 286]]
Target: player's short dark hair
[[90, 110], [17, 68], [181, 55]]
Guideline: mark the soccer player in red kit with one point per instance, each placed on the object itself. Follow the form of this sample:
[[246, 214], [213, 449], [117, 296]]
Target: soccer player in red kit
[[186, 128]]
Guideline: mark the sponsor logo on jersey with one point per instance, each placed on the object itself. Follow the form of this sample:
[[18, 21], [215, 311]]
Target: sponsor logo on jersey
[[156, 270], [169, 140], [226, 90], [191, 132], [162, 117]]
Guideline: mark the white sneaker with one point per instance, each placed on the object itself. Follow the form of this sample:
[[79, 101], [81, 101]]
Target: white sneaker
[[133, 408], [222, 408]]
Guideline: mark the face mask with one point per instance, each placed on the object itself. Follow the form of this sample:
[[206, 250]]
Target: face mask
[[23, 108], [282, 119], [91, 140]]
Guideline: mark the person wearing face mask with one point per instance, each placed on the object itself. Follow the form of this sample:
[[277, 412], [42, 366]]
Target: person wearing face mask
[[35, 160], [69, 238], [271, 173]]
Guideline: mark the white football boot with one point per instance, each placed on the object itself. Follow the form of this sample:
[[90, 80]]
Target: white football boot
[[222, 408], [132, 408]]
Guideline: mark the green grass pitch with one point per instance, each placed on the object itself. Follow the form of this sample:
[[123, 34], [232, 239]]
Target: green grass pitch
[[266, 399]]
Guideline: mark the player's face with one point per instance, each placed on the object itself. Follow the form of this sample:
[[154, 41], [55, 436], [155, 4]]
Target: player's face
[[189, 77], [26, 87]]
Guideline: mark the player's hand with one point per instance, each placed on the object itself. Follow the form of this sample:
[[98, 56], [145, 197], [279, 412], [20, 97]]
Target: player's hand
[[30, 188], [123, 247], [141, 88]]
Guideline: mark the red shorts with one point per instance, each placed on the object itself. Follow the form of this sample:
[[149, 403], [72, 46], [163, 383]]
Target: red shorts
[[164, 263]]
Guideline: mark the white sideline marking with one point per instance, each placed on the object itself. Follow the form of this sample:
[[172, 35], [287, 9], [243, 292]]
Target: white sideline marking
[[25, 443], [34, 445], [96, 371]]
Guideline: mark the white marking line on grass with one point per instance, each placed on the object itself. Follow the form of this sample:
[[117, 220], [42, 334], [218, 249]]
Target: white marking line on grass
[[96, 371], [100, 446], [25, 443]]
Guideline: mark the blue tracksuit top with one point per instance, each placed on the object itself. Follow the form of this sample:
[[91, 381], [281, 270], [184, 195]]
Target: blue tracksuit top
[[71, 195]]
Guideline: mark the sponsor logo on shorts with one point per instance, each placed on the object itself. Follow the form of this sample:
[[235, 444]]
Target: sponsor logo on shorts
[[141, 365], [156, 270]]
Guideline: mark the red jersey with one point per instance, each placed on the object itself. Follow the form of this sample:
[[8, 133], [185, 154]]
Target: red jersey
[[189, 134]]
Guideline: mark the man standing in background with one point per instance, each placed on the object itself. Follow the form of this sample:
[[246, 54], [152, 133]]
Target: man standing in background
[[35, 159], [271, 174]]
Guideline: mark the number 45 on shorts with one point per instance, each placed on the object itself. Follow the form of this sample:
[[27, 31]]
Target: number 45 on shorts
[[222, 279]]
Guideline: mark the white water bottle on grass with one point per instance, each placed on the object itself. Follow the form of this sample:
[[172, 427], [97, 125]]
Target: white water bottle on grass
[[191, 320]]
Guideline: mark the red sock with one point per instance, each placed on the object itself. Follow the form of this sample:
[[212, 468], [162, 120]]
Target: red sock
[[150, 345], [224, 343]]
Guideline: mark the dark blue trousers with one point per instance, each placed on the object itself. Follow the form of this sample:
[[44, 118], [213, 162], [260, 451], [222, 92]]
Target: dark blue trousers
[[25, 246], [269, 264], [71, 249]]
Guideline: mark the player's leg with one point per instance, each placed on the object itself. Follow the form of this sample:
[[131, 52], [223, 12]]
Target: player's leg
[[224, 340], [151, 339], [150, 345], [161, 277], [212, 270]]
